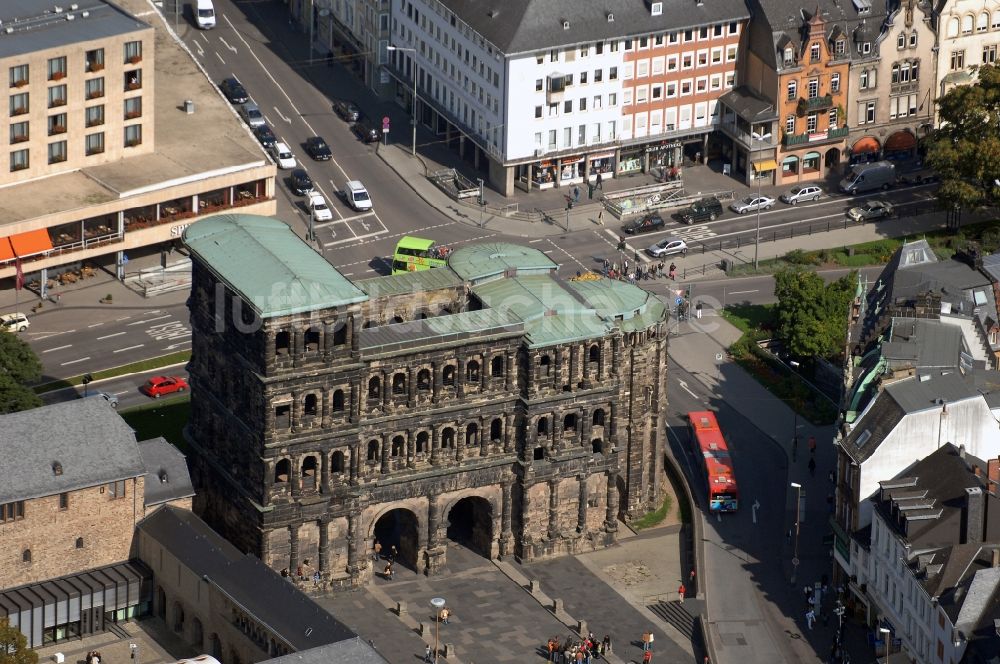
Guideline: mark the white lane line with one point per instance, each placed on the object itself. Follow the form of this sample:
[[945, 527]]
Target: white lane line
[[54, 334], [123, 318], [569, 255], [742, 292], [108, 336], [118, 394], [150, 312], [541, 239], [122, 350], [147, 320], [58, 348], [267, 72], [355, 238], [95, 324], [82, 359], [219, 57]]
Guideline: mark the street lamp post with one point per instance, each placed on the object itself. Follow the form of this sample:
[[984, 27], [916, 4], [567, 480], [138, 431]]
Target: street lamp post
[[795, 554], [885, 638], [438, 604], [761, 138], [413, 100]]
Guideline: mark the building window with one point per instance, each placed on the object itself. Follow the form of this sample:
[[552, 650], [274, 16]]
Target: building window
[[133, 52], [79, 542], [57, 68], [832, 120], [811, 123], [789, 58], [57, 124], [64, 501], [870, 112], [19, 76], [538, 85], [116, 489], [133, 108], [133, 79], [598, 75], [26, 556], [957, 60], [835, 83], [863, 79], [57, 96], [19, 104], [790, 124], [913, 39], [989, 54], [94, 143], [19, 132], [814, 53], [967, 24], [613, 73], [19, 160], [538, 111], [901, 41], [983, 22], [568, 106], [95, 59], [94, 116], [813, 88], [57, 152], [94, 88], [12, 511]]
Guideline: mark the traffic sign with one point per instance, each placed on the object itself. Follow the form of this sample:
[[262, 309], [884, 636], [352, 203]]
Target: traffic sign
[[385, 123], [679, 300], [795, 562]]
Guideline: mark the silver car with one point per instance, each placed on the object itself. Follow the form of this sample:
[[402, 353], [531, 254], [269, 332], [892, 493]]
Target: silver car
[[667, 247], [251, 114], [110, 398], [801, 194], [751, 204]]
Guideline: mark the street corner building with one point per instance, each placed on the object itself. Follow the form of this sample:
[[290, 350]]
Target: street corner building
[[487, 402]]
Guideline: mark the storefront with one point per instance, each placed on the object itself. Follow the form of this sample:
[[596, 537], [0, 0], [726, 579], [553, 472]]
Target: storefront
[[900, 146], [763, 170], [664, 156], [630, 161], [543, 175], [603, 163], [570, 170], [865, 150]]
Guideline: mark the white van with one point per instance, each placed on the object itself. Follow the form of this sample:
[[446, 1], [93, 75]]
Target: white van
[[357, 196], [204, 14]]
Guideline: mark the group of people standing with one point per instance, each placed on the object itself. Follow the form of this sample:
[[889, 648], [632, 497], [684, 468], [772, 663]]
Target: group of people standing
[[571, 651], [389, 572], [639, 271]]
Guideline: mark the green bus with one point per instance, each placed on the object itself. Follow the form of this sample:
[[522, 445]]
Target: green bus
[[414, 254]]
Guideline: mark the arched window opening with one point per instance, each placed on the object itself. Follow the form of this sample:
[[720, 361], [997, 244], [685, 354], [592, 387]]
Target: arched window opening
[[496, 367], [26, 556], [283, 416], [496, 430], [472, 372], [374, 388], [311, 405], [79, 542], [569, 422], [545, 365], [597, 446], [424, 380], [337, 462], [472, 435], [543, 426], [448, 375], [399, 383], [282, 342], [397, 319], [423, 443], [598, 419], [595, 353], [338, 401], [282, 470], [311, 339], [309, 469], [340, 333], [373, 447], [398, 446], [448, 438]]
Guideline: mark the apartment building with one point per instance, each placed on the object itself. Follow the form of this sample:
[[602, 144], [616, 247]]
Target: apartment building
[[356, 32], [545, 94], [892, 87], [115, 139], [968, 37]]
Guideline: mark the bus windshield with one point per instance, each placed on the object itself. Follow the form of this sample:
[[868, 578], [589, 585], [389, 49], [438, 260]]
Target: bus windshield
[[413, 254]]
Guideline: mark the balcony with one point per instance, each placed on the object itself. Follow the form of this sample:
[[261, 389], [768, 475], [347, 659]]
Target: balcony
[[904, 88], [742, 135], [813, 104], [816, 137]]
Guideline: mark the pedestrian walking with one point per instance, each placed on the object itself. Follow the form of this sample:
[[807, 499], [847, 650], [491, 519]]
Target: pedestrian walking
[[445, 613], [812, 467], [600, 217], [812, 445], [393, 552], [697, 310], [607, 265], [646, 638], [635, 255], [377, 550], [647, 656], [599, 184], [607, 644], [810, 618], [673, 272], [387, 572], [680, 593], [625, 266], [691, 576], [427, 655]]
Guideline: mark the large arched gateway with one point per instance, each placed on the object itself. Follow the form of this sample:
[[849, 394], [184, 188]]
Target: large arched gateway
[[398, 527], [470, 523]]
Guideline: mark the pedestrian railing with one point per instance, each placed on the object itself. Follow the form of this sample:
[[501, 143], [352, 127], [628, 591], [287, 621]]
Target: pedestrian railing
[[454, 183]]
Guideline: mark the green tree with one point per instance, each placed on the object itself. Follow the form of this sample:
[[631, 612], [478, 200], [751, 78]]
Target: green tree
[[811, 314], [18, 366], [14, 646], [965, 148]]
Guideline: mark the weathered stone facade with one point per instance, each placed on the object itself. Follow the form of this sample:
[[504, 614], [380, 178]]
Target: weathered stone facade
[[309, 432]]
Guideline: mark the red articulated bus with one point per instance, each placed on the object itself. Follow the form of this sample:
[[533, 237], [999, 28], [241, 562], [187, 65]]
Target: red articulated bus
[[723, 495]]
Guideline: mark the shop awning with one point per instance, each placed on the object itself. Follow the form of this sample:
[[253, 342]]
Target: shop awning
[[765, 165], [866, 144], [901, 140], [31, 243], [6, 251]]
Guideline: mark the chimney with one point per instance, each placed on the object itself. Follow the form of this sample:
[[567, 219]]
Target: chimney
[[961, 452], [995, 561], [974, 513]]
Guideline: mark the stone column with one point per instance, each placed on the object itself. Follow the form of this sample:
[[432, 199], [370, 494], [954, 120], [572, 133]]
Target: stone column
[[328, 331], [293, 548], [485, 371], [525, 509], [386, 390], [433, 521], [509, 372], [295, 416], [509, 434], [506, 506], [557, 379], [352, 338], [484, 437], [355, 552], [324, 471], [460, 442], [557, 432], [411, 388], [600, 360], [324, 545], [553, 508], [460, 378], [616, 354], [435, 445], [583, 428], [355, 405], [298, 346], [295, 477], [355, 463], [436, 383], [411, 450], [573, 365], [611, 518], [386, 448], [581, 514]]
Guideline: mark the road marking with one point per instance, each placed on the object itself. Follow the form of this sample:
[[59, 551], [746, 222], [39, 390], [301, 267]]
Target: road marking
[[742, 292], [122, 350], [684, 386], [118, 394], [54, 334], [219, 57], [82, 359], [150, 312], [168, 331], [347, 219], [123, 318], [267, 72], [571, 256], [147, 320], [283, 117], [541, 239], [108, 336], [58, 348], [95, 325], [355, 238], [177, 345], [231, 48]]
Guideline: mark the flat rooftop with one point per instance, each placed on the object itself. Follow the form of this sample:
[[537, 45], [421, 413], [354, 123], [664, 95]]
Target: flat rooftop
[[211, 141], [38, 25]]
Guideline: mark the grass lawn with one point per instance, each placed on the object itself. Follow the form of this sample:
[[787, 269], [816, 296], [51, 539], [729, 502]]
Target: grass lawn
[[165, 418], [656, 517], [748, 317]]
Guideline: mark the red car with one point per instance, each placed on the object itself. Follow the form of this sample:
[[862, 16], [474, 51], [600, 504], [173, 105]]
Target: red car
[[157, 386]]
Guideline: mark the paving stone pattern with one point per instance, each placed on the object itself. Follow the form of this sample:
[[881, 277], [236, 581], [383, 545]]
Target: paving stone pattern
[[365, 616]]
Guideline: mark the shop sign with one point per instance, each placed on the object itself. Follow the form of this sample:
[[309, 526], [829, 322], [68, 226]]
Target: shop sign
[[175, 231], [664, 146], [817, 136]]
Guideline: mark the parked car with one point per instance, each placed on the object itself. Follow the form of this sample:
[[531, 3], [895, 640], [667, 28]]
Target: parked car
[[300, 182], [317, 148], [265, 135], [869, 177], [801, 194], [649, 223], [707, 209], [320, 210], [14, 322], [752, 204], [915, 172], [234, 91], [110, 398], [346, 110], [251, 114], [870, 211], [157, 386], [367, 130], [667, 246], [283, 155], [356, 196]]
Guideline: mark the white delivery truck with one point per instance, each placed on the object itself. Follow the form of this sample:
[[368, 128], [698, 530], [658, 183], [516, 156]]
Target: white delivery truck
[[204, 14], [869, 177]]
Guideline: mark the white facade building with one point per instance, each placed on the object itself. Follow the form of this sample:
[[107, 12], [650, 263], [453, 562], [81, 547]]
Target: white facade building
[[968, 37]]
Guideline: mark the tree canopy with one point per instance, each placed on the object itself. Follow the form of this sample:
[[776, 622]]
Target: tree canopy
[[18, 366], [812, 315], [965, 148], [14, 646]]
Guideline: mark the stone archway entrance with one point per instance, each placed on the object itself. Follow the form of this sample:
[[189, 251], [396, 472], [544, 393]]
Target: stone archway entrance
[[398, 528], [470, 523]]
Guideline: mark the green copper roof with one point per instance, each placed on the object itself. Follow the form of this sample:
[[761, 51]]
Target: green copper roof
[[410, 282], [477, 262], [613, 298], [414, 335], [270, 267]]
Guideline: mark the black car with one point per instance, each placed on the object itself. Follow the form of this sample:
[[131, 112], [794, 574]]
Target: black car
[[367, 130], [707, 209], [318, 149], [300, 182], [264, 135], [647, 224], [234, 91], [346, 110]]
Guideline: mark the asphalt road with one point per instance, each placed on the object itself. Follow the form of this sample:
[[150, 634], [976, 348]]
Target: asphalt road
[[126, 388]]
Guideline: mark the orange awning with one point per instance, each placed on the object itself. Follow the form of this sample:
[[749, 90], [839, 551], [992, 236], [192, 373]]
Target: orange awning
[[6, 252], [866, 144], [31, 243], [901, 140]]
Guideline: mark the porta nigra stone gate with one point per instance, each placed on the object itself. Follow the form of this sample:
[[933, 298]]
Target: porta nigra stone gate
[[488, 402]]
